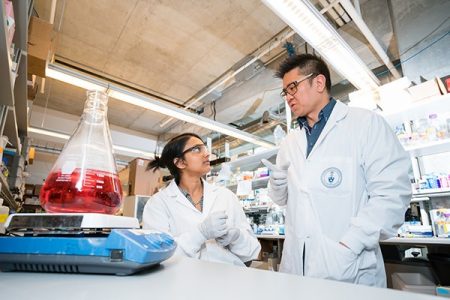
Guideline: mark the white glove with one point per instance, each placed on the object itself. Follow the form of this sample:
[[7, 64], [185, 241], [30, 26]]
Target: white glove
[[278, 177], [214, 226], [231, 236]]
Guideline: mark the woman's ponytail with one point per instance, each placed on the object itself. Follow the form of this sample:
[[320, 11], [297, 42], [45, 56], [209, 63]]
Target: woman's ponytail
[[156, 164]]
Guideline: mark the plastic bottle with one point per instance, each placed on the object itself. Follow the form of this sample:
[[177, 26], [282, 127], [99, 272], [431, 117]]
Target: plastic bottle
[[4, 212], [84, 177], [432, 130], [422, 129], [441, 128]]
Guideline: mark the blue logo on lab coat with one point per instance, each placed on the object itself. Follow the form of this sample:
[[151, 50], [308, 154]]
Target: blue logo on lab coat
[[331, 177]]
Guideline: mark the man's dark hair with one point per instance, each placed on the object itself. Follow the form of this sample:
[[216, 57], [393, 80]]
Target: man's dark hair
[[307, 63]]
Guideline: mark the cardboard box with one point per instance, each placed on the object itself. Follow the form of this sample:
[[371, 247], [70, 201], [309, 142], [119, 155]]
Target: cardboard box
[[133, 206], [124, 176], [32, 91], [425, 90], [37, 189], [29, 189], [41, 41], [141, 181]]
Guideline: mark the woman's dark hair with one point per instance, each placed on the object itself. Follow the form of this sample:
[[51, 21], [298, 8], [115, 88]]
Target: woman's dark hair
[[173, 149]]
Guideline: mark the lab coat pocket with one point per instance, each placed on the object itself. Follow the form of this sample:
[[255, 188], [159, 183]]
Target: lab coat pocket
[[291, 259], [367, 261], [341, 262]]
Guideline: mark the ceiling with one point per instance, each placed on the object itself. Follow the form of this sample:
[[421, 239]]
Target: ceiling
[[175, 50]]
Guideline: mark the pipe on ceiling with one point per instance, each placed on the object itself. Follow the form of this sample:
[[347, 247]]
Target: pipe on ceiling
[[369, 36]]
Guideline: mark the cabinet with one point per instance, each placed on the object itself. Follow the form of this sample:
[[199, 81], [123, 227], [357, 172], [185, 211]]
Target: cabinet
[[13, 86]]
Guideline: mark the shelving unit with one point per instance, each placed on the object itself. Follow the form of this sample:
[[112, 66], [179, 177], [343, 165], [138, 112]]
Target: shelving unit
[[253, 209], [256, 184], [13, 86], [13, 90], [430, 148], [6, 194], [253, 159], [433, 193], [420, 109]]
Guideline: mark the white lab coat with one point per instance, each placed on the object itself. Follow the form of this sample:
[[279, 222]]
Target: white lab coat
[[170, 211], [354, 187]]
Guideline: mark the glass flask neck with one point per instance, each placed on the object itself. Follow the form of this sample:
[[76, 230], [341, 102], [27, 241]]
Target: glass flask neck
[[96, 101]]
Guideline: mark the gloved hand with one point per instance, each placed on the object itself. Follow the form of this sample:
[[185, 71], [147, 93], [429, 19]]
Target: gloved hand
[[231, 236], [214, 226], [278, 177]]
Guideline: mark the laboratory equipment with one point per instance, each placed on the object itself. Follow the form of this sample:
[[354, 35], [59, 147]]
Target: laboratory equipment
[[81, 243], [84, 177]]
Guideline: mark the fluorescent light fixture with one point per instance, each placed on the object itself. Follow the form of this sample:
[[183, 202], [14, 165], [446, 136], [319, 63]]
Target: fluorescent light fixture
[[49, 133], [124, 150], [75, 78], [307, 21], [144, 101]]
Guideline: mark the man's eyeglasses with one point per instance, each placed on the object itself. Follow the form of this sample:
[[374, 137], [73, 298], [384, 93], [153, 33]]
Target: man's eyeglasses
[[200, 148], [291, 88]]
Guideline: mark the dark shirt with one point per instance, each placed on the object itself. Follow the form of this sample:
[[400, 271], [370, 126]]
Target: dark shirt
[[188, 196], [312, 134]]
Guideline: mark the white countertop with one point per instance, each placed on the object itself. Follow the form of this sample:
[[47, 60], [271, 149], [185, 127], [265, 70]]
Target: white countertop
[[270, 236], [417, 241], [185, 278]]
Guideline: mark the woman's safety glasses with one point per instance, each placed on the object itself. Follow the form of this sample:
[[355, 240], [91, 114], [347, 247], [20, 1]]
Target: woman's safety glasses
[[200, 148]]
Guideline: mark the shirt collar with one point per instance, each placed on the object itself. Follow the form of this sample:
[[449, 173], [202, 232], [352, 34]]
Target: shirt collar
[[324, 113], [185, 193]]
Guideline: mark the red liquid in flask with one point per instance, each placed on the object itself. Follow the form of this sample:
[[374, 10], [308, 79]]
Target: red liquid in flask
[[98, 192]]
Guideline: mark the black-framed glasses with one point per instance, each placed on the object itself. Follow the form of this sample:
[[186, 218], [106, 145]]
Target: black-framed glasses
[[196, 149], [291, 88]]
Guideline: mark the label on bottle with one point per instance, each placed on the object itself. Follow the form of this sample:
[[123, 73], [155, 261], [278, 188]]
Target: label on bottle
[[3, 218]]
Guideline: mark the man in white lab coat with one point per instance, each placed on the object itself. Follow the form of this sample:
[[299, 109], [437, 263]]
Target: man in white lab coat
[[344, 178]]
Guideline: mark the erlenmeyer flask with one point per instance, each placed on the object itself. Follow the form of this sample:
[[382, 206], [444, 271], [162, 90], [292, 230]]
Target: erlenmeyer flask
[[84, 177]]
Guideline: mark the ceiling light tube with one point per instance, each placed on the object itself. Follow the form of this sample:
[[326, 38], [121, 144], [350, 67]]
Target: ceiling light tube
[[75, 78], [135, 152], [307, 21], [144, 101], [182, 115]]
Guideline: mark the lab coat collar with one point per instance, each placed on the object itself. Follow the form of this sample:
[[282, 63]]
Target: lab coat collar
[[339, 112], [209, 195]]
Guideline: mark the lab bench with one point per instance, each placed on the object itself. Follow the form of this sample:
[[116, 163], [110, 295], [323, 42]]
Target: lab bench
[[417, 241], [396, 261], [186, 278], [269, 242]]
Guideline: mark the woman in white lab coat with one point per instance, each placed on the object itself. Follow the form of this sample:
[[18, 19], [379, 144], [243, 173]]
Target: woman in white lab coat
[[206, 221]]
